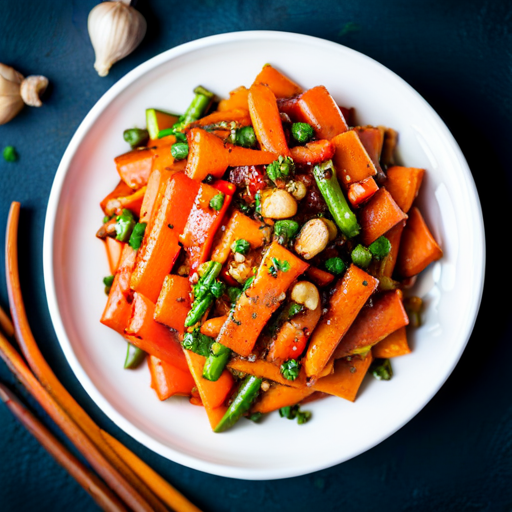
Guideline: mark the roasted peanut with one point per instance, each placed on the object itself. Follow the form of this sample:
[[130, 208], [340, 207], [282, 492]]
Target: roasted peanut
[[297, 189], [312, 239], [331, 226], [278, 204], [307, 294]]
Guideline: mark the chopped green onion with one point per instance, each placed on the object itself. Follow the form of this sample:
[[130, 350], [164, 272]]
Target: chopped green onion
[[381, 369], [290, 369], [241, 246]]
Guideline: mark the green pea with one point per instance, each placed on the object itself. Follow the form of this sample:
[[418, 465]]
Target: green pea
[[137, 235], [136, 137], [380, 248], [361, 256], [179, 150], [217, 201], [335, 266], [245, 137], [10, 154]]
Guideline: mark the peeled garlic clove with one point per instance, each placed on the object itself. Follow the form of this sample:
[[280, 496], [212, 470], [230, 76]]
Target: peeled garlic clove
[[32, 88], [115, 29], [10, 96]]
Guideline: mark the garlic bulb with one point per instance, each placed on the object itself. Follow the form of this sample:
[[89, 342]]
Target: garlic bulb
[[32, 88], [115, 29], [10, 97]]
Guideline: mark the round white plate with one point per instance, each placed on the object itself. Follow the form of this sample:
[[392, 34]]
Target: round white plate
[[75, 262]]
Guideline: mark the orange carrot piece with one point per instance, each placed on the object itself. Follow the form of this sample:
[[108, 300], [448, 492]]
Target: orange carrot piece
[[393, 345], [166, 492], [403, 184], [239, 156], [361, 191], [394, 236], [156, 187], [280, 396], [237, 99], [238, 226], [160, 246], [278, 83], [114, 250], [167, 380], [203, 222], [378, 216], [152, 337], [239, 116], [319, 277], [346, 379], [134, 167], [207, 155], [418, 248], [291, 339], [213, 326], [118, 308], [132, 202], [267, 370], [313, 152], [6, 325], [121, 190], [213, 394], [173, 302], [266, 120], [254, 307], [351, 160], [373, 324], [372, 140], [350, 294], [317, 107]]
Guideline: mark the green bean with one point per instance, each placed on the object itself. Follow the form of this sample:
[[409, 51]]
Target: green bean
[[134, 356], [198, 309], [136, 137], [216, 361]]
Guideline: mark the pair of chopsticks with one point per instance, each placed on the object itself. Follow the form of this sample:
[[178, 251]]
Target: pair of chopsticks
[[121, 480]]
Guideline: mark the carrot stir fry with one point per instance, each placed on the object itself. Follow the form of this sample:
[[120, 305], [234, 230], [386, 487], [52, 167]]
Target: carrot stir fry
[[260, 249]]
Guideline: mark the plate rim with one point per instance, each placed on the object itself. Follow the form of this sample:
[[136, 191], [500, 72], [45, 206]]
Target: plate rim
[[86, 125]]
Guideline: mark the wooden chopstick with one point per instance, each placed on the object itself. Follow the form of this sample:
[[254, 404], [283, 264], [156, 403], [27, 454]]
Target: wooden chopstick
[[101, 494], [78, 426], [6, 324], [168, 494]]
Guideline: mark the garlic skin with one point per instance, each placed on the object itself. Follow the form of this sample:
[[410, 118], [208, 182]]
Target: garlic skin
[[10, 97], [115, 29], [32, 88]]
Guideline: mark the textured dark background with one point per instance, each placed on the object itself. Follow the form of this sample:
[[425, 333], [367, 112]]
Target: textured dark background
[[457, 453]]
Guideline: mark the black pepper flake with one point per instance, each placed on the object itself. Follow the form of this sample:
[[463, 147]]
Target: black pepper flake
[[365, 283], [254, 315], [180, 299], [352, 369], [170, 226]]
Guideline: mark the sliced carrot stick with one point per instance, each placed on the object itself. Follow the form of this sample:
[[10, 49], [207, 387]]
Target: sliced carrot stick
[[351, 161], [5, 324], [418, 248], [361, 191], [121, 190], [156, 187], [278, 83], [203, 222], [134, 167], [267, 370], [350, 294], [168, 380], [239, 226], [213, 394], [394, 235], [378, 216], [313, 152], [114, 250], [207, 155], [117, 475], [372, 140], [393, 345], [84, 476], [168, 494], [319, 277], [239, 156], [290, 341], [347, 377], [117, 312], [317, 107], [261, 299], [213, 326], [152, 337], [131, 202], [240, 116], [160, 246], [280, 396], [403, 184], [237, 99], [373, 324], [266, 120], [173, 302]]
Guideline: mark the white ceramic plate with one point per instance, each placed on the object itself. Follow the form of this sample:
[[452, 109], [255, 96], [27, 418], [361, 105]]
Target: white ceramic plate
[[75, 262]]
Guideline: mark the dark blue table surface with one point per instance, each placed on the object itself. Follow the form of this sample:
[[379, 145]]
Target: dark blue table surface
[[457, 453]]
